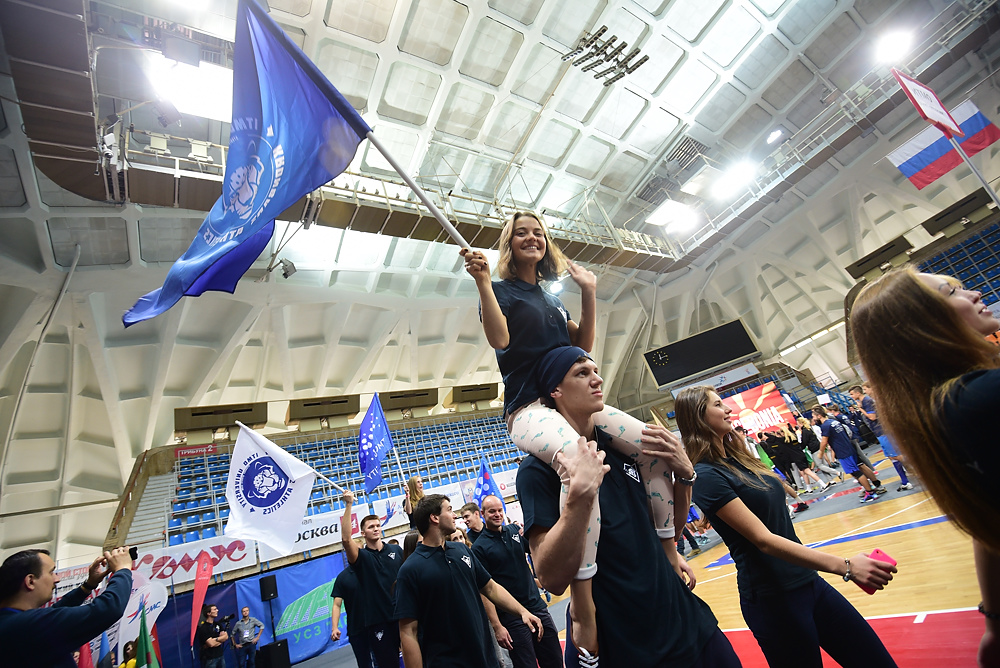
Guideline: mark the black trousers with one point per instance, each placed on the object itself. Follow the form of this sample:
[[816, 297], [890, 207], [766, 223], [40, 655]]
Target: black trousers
[[384, 642], [529, 651], [362, 651]]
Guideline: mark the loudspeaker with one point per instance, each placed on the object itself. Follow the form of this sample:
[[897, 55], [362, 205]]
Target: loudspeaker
[[274, 655], [268, 588]]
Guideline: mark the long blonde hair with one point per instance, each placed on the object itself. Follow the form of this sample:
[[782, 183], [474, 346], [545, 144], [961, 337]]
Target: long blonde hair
[[914, 347], [415, 493], [549, 268], [704, 445]]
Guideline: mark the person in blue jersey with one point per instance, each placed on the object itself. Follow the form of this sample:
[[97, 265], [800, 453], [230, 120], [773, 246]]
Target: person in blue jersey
[[791, 611], [522, 322]]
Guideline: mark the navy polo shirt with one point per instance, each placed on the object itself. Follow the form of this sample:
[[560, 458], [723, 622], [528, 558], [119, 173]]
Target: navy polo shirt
[[972, 438], [346, 587], [376, 572], [756, 572], [439, 587], [502, 553], [537, 323], [646, 615], [473, 535], [838, 438]]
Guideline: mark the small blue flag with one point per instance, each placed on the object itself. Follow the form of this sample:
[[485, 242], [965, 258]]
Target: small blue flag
[[486, 486], [374, 443], [105, 658], [292, 131]]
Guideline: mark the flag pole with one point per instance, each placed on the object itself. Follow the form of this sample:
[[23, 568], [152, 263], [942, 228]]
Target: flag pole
[[968, 161], [445, 223], [318, 474], [402, 484]]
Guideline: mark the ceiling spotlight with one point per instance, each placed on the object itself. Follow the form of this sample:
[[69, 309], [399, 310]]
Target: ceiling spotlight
[[735, 178], [675, 214], [893, 46], [287, 268], [775, 135]]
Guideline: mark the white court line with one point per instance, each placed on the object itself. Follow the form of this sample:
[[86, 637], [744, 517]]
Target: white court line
[[865, 526], [919, 619], [919, 615], [820, 544]]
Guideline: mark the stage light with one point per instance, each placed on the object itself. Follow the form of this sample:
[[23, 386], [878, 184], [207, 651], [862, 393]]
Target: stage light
[[733, 179], [775, 135], [678, 216], [287, 268], [893, 46], [205, 91]]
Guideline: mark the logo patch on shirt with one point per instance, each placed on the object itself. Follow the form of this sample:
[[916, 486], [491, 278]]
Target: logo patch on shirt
[[468, 561], [392, 555], [516, 537], [631, 472], [378, 635]]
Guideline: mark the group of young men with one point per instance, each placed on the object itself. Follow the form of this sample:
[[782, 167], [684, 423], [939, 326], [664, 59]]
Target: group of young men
[[437, 607]]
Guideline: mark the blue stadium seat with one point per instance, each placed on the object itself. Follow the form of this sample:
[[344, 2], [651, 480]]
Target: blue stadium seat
[[316, 496], [205, 503], [324, 508], [183, 492], [208, 517], [192, 519], [179, 507], [224, 513], [176, 539], [191, 536], [199, 491], [191, 505], [208, 532], [174, 523]]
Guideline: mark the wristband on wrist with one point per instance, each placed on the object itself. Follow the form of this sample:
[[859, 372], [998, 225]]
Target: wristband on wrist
[[86, 587], [986, 613], [847, 575]]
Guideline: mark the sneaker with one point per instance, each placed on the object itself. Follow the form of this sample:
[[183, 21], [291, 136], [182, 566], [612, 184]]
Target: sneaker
[[826, 486], [587, 660], [868, 497], [800, 507], [907, 486], [695, 552], [880, 490], [703, 539]]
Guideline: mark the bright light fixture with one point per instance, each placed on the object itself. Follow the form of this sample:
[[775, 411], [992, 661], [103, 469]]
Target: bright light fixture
[[734, 178], [893, 46], [775, 135], [678, 216], [205, 91], [556, 287]]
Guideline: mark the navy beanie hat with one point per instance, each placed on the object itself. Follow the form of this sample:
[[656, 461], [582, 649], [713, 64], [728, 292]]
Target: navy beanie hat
[[554, 365]]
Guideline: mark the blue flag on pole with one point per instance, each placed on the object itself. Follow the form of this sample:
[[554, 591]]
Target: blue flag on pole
[[486, 486], [374, 443], [285, 114]]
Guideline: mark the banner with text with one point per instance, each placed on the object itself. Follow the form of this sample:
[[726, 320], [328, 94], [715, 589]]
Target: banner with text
[[317, 530], [759, 409], [179, 562]]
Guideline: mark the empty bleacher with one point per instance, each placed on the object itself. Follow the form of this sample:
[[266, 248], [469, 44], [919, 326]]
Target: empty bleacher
[[441, 450]]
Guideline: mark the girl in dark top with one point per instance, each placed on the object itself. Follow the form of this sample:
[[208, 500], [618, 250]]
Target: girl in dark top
[[522, 323], [790, 609], [414, 492], [921, 340]]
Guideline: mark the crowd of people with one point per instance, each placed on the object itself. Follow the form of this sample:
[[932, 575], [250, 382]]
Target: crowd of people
[[608, 501]]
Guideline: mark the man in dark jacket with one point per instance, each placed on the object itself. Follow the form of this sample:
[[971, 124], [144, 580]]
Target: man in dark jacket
[[32, 635]]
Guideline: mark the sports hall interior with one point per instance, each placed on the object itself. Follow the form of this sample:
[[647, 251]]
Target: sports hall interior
[[739, 173]]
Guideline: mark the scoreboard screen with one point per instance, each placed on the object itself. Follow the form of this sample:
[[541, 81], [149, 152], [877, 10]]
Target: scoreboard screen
[[703, 353]]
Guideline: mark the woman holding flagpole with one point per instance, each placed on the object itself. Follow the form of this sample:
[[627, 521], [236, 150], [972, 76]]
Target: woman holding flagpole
[[522, 323]]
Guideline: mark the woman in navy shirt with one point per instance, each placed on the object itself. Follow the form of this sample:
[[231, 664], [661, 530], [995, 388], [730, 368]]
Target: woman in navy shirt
[[791, 611], [921, 339], [522, 323]]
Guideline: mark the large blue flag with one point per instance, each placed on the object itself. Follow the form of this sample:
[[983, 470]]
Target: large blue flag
[[374, 443], [292, 131], [486, 486]]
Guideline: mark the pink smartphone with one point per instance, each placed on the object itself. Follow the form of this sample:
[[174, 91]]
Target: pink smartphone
[[880, 556]]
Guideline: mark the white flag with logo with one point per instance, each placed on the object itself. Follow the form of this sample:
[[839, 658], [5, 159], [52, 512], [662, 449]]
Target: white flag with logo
[[268, 490]]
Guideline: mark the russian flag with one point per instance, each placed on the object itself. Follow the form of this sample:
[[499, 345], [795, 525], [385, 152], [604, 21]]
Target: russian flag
[[929, 156]]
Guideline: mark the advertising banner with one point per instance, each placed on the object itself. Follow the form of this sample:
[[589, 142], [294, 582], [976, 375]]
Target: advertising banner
[[302, 608], [390, 512], [759, 409], [153, 597], [317, 531], [179, 562]]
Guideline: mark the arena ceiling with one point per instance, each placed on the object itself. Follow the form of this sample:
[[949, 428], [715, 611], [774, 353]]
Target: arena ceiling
[[474, 100]]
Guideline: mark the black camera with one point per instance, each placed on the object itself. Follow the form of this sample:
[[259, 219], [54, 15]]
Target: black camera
[[226, 621]]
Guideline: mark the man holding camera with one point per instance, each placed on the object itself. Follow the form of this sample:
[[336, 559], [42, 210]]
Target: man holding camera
[[211, 637], [31, 634]]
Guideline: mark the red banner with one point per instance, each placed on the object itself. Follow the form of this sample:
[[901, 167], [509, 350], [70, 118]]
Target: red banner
[[201, 580], [195, 450], [759, 409]]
